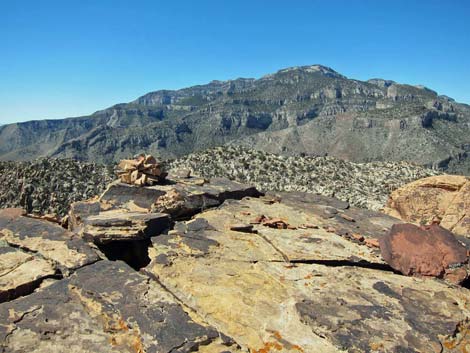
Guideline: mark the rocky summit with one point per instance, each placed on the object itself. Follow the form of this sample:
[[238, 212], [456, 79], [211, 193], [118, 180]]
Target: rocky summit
[[209, 265], [308, 110]]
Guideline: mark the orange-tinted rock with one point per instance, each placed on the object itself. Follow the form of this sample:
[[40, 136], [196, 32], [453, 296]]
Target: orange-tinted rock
[[427, 251], [443, 199]]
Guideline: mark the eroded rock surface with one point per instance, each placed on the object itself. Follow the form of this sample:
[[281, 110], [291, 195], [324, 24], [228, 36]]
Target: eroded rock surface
[[284, 272], [105, 307], [443, 198], [304, 289], [125, 212]]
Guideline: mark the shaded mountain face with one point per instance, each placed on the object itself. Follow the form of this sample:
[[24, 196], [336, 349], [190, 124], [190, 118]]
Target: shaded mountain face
[[309, 110]]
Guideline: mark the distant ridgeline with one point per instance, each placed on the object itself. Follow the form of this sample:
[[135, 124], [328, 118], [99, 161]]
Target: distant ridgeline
[[309, 110]]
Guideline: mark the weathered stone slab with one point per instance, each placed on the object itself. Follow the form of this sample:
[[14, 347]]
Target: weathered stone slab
[[65, 250], [275, 292], [335, 214], [295, 245], [105, 307], [199, 194], [118, 225], [21, 272], [126, 212]]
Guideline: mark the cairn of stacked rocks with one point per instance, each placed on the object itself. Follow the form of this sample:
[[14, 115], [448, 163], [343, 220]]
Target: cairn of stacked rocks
[[143, 170]]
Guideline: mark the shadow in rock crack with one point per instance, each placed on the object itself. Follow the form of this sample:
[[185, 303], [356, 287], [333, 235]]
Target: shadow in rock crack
[[466, 283], [132, 252]]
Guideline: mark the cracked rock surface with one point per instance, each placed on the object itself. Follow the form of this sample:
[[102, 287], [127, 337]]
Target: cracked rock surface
[[33, 250], [127, 313], [230, 271]]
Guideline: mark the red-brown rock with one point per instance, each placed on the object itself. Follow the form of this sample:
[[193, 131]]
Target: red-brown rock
[[427, 251]]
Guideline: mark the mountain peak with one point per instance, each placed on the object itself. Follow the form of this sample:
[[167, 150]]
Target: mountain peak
[[325, 70]]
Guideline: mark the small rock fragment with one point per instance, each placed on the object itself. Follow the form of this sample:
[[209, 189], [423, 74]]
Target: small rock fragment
[[346, 217], [244, 228], [372, 243]]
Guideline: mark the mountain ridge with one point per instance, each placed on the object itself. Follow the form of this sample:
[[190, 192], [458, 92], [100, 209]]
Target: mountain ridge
[[308, 110]]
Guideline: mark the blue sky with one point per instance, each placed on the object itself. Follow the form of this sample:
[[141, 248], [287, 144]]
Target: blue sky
[[72, 57]]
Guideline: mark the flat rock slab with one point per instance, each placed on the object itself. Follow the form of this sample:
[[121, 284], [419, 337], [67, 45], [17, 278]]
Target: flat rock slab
[[339, 215], [106, 307], [32, 250], [202, 193], [65, 250], [119, 225], [303, 290]]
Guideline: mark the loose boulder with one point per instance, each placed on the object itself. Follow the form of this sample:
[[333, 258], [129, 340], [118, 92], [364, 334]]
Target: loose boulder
[[426, 251], [443, 199]]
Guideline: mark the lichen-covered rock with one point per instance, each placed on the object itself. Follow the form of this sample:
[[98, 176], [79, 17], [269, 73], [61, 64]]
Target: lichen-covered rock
[[444, 199], [105, 307], [426, 251], [46, 239], [20, 272], [281, 273]]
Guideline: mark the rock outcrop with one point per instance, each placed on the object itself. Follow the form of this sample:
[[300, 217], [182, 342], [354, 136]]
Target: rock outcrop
[[443, 199], [214, 266], [125, 212]]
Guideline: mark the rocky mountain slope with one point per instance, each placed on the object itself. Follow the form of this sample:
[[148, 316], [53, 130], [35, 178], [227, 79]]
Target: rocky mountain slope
[[213, 266], [49, 186], [310, 110], [364, 185]]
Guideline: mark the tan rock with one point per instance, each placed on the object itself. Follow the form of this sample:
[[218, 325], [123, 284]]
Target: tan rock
[[444, 199], [21, 272], [140, 171], [299, 291]]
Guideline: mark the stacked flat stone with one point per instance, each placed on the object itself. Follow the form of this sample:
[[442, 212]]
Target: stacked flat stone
[[141, 171]]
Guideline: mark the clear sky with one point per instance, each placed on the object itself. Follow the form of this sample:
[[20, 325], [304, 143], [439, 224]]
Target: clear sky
[[61, 58]]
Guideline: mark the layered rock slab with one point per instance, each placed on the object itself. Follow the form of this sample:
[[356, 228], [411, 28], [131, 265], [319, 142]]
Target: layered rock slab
[[20, 272], [443, 198], [127, 314], [303, 290], [46, 239], [125, 212], [32, 250]]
